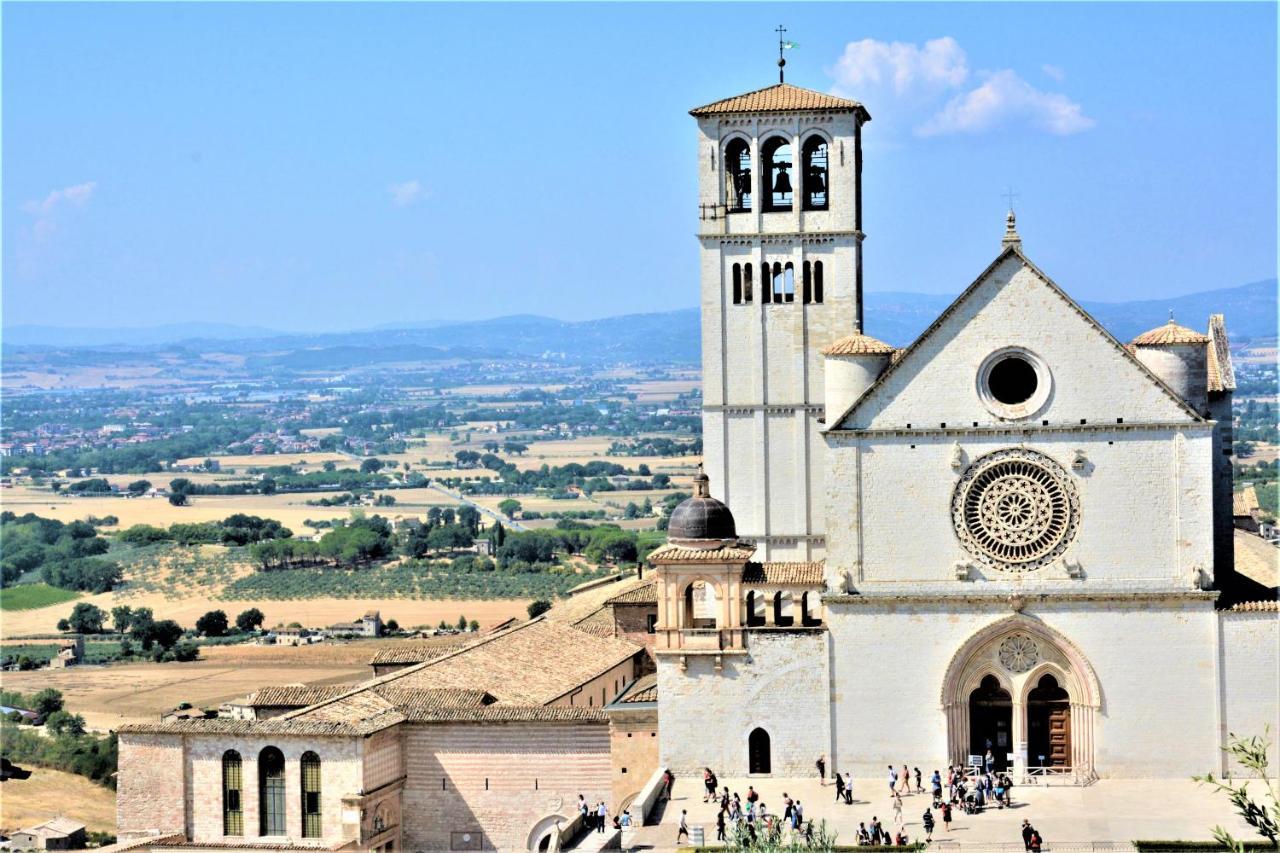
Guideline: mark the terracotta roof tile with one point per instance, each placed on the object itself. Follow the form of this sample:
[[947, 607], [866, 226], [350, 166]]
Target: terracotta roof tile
[[414, 651], [675, 554], [643, 689], [784, 574], [1245, 501], [1257, 559], [1170, 334], [645, 593], [780, 97], [598, 624], [295, 695], [858, 345]]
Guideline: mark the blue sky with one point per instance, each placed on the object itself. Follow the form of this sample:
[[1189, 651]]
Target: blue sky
[[338, 166]]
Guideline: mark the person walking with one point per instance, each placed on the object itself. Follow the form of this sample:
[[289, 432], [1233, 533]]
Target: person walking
[[848, 789], [1036, 842], [919, 786], [946, 816], [893, 778], [720, 826], [897, 809], [667, 781], [683, 831], [927, 820], [839, 786], [602, 816], [1027, 832], [822, 770], [904, 780]]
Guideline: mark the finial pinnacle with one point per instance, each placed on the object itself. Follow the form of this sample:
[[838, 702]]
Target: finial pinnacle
[[1011, 237], [701, 484]]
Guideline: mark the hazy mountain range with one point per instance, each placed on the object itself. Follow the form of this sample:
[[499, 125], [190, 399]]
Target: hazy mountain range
[[671, 336]]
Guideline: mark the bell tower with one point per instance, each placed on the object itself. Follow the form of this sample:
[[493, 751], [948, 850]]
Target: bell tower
[[780, 234]]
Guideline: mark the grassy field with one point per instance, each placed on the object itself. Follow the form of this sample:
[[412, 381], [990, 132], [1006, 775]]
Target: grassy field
[[49, 793], [33, 595]]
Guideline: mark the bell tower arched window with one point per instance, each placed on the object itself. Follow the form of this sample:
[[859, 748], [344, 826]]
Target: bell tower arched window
[[815, 173], [737, 175], [776, 155]]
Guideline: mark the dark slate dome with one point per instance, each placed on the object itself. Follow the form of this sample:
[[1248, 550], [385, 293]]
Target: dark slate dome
[[701, 518]]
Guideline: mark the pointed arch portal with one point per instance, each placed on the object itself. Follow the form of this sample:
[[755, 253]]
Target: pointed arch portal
[[1029, 692]]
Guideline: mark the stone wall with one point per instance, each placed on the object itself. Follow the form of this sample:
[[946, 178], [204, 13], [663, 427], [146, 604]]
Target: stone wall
[[633, 737], [150, 784], [781, 685], [499, 780], [1157, 714], [631, 623], [602, 689], [1250, 679]]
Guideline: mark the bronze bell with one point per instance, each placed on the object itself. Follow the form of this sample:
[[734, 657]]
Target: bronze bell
[[816, 182], [782, 183]]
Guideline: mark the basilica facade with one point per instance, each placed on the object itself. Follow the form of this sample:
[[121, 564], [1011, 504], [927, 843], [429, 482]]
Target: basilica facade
[[1013, 535]]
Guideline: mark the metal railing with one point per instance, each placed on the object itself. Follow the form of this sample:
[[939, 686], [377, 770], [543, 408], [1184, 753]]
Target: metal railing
[[1047, 847]]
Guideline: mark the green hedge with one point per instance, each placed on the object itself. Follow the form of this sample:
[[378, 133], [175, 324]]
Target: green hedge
[[1178, 846]]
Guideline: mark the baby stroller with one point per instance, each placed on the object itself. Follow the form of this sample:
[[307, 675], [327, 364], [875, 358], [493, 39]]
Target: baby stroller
[[973, 802]]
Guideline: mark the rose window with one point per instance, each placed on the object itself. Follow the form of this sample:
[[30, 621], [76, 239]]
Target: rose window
[[1015, 510], [1019, 653]]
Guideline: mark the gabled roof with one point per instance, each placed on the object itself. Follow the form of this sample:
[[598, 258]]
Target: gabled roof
[[643, 690], [645, 593], [778, 98], [414, 651], [675, 554], [294, 695], [907, 355], [858, 345]]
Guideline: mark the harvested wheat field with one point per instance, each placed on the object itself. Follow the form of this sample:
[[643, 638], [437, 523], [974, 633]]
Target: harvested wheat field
[[315, 612], [266, 460], [49, 793]]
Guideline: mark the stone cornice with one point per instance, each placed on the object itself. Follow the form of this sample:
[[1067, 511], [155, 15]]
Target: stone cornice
[[845, 436], [1016, 601], [767, 408], [750, 238]]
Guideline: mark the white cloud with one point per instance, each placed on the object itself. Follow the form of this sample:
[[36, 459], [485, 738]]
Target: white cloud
[[907, 68], [46, 210], [929, 86], [405, 194]]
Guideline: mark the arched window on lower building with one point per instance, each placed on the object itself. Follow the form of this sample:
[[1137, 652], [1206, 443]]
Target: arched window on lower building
[[232, 793], [271, 808], [817, 282], [737, 284], [783, 609], [766, 287], [807, 283], [755, 609], [810, 613], [311, 825], [746, 282]]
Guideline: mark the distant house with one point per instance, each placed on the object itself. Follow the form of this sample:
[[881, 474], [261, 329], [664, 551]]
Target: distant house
[[1245, 512], [29, 716], [291, 636], [368, 625], [58, 833], [180, 714], [70, 653]]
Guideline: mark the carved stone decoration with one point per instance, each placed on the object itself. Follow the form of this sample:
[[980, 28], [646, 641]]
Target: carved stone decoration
[[1019, 653], [1015, 510], [957, 457]]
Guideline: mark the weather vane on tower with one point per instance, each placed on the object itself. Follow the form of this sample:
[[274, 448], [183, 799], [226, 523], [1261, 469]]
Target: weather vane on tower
[[783, 45]]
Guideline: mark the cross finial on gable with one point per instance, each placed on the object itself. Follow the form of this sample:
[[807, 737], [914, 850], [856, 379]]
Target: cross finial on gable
[[1011, 237]]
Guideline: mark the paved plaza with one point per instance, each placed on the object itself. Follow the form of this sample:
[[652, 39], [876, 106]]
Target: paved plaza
[[1108, 810]]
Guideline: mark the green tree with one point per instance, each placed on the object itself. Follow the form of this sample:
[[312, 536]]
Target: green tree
[[1251, 754], [139, 487], [475, 625], [509, 507], [178, 499], [392, 626], [371, 466], [212, 624], [538, 607], [64, 625], [249, 620], [462, 623], [62, 723], [47, 701], [166, 633], [121, 617], [87, 618]]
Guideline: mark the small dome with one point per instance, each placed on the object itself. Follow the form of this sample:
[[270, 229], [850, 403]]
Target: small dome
[[701, 518], [858, 345], [1170, 334]]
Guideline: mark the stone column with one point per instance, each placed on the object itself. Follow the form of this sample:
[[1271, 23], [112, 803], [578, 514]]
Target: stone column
[[1018, 746]]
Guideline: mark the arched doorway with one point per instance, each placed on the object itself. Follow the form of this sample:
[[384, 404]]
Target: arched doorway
[[758, 758], [1048, 724], [991, 721]]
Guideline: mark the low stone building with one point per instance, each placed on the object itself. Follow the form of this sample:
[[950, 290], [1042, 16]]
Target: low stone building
[[58, 833], [486, 746]]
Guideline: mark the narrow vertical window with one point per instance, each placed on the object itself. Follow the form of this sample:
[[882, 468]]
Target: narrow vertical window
[[737, 284], [779, 294], [746, 282], [789, 282], [815, 173], [817, 281], [271, 792], [311, 796], [232, 790], [766, 289], [807, 295]]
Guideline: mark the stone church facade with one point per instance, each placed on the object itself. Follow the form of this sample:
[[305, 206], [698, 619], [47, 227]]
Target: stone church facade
[[1018, 528]]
